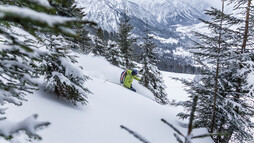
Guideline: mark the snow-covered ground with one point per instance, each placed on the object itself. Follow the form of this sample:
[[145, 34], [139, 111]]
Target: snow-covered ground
[[170, 40], [110, 106]]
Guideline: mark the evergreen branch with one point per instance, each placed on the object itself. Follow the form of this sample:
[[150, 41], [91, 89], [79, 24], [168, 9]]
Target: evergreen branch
[[210, 134], [135, 134], [178, 138], [174, 128], [29, 125]]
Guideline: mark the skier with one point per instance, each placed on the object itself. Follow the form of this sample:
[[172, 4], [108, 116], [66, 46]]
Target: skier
[[127, 78]]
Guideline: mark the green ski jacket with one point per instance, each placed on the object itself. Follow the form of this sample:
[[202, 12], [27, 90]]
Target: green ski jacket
[[129, 79]]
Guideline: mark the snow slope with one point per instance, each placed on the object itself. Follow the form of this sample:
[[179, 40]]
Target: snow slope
[[110, 106]]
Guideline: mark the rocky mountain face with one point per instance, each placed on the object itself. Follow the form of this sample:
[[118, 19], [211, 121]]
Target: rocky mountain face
[[162, 17], [157, 13]]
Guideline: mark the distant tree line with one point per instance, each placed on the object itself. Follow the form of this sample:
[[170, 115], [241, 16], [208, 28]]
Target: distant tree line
[[171, 63]]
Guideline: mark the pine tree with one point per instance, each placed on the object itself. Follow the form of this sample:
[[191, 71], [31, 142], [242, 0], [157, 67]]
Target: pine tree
[[100, 43], [243, 66], [81, 42], [113, 54], [84, 42], [125, 41], [152, 78], [219, 108], [19, 54], [217, 66], [62, 76]]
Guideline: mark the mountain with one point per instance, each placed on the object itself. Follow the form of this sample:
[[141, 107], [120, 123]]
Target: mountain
[[201, 5], [162, 17], [171, 12], [160, 13]]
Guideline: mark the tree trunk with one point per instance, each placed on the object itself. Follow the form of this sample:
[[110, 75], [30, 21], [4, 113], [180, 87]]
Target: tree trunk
[[246, 29], [190, 126], [217, 70]]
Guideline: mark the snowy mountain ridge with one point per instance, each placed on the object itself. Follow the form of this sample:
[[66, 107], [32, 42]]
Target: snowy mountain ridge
[[162, 17], [162, 13]]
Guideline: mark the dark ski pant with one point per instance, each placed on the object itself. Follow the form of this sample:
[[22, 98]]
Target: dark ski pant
[[132, 89]]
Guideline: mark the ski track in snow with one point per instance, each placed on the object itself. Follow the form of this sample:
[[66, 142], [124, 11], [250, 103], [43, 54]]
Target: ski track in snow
[[110, 106]]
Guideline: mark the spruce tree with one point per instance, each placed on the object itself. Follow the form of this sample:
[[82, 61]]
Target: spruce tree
[[243, 67], [218, 62], [62, 76], [19, 54], [223, 105], [113, 54], [152, 78], [100, 43], [82, 43], [125, 41]]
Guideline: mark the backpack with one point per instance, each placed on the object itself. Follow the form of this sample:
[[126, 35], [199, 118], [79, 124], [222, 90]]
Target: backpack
[[123, 75]]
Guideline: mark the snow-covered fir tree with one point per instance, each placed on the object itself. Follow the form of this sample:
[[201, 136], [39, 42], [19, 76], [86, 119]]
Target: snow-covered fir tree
[[248, 64], [224, 106], [19, 55], [17, 70], [82, 43], [113, 54], [125, 41], [100, 43], [152, 78], [243, 69], [62, 76]]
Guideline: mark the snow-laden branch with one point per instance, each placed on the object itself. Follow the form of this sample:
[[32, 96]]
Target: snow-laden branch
[[136, 135], [29, 125], [71, 69], [58, 79], [6, 96], [19, 12], [44, 3]]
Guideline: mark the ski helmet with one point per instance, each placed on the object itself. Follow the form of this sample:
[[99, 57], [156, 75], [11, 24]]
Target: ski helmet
[[134, 72]]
